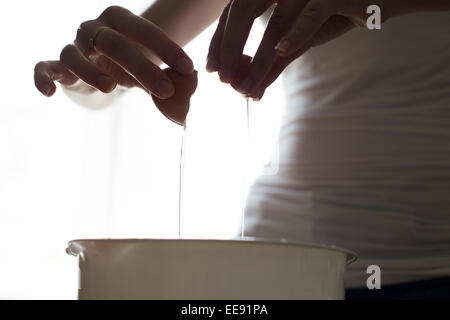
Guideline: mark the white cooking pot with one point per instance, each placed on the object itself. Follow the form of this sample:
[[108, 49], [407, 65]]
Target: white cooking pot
[[209, 269]]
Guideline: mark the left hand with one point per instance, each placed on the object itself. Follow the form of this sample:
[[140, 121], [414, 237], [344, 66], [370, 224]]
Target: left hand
[[294, 27]]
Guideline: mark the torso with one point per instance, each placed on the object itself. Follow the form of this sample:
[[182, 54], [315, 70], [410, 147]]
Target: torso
[[365, 151]]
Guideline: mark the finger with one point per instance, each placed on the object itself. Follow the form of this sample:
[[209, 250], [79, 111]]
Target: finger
[[125, 53], [280, 22], [277, 68], [312, 17], [150, 36], [73, 59], [273, 74], [85, 32], [213, 57], [116, 72], [46, 72], [332, 28], [240, 19]]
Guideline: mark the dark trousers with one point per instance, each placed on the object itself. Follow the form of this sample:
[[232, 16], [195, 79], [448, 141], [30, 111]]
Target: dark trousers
[[433, 289]]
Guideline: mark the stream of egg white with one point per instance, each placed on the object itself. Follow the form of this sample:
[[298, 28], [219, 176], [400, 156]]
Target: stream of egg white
[[181, 182], [246, 168], [245, 173]]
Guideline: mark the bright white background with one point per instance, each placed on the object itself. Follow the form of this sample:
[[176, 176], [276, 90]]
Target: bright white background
[[67, 172]]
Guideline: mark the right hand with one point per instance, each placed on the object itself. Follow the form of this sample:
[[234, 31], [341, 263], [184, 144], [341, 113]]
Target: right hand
[[125, 46]]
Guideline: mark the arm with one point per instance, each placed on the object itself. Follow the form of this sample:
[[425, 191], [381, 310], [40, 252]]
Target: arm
[[143, 43], [183, 20]]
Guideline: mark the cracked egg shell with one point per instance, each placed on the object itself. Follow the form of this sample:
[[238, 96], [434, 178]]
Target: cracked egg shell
[[176, 107]]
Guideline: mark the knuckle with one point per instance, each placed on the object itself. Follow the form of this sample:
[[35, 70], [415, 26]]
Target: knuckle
[[88, 25], [41, 65], [66, 52], [85, 31], [85, 25], [111, 12], [79, 33], [82, 29]]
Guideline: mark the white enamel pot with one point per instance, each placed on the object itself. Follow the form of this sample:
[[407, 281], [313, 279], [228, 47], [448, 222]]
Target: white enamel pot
[[209, 269]]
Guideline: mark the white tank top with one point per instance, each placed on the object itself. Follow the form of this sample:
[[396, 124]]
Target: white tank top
[[365, 151]]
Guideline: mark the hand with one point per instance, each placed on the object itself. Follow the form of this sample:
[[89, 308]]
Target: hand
[[294, 27], [116, 48]]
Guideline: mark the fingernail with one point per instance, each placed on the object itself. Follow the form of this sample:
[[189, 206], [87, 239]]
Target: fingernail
[[47, 90], [259, 95], [165, 88], [106, 83], [283, 46], [185, 65], [212, 65], [256, 99]]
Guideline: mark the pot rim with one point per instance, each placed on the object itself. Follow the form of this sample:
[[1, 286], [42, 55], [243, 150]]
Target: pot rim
[[75, 247]]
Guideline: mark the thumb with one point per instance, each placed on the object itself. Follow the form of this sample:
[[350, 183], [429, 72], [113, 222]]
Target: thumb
[[333, 28], [311, 19]]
